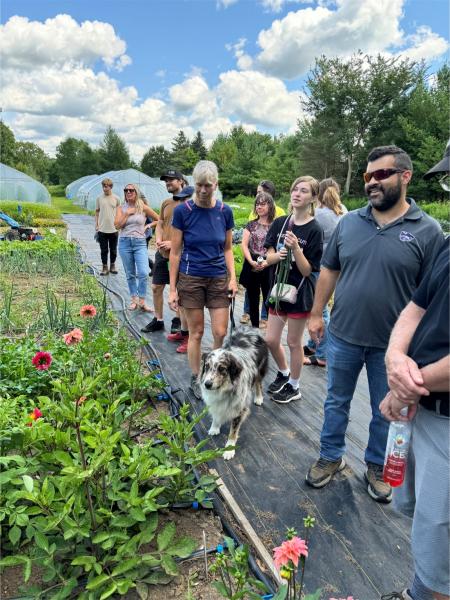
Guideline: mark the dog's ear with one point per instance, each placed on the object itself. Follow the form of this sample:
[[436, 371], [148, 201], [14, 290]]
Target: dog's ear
[[235, 368], [203, 363]]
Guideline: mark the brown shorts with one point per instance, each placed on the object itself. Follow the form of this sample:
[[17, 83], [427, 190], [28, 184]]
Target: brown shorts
[[198, 292]]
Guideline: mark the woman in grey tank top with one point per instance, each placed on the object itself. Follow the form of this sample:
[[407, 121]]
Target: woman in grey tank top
[[130, 221]]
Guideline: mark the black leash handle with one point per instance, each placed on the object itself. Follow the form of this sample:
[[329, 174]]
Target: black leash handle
[[232, 321]]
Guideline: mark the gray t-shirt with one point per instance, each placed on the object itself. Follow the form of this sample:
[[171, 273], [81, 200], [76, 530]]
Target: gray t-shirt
[[380, 268], [328, 220]]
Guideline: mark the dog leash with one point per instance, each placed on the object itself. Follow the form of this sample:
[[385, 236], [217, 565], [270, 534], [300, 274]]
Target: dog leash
[[232, 322]]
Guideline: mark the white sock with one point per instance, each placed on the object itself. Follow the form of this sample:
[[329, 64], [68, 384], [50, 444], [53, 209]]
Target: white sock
[[285, 372], [294, 383]]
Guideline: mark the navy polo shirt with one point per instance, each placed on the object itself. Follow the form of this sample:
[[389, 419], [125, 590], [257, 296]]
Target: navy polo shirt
[[380, 268]]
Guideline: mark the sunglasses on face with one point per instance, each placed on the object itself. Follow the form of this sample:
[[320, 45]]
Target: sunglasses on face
[[108, 185], [261, 202], [381, 174], [128, 190]]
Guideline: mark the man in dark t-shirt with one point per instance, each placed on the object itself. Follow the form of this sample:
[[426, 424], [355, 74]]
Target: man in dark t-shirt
[[418, 368], [376, 258]]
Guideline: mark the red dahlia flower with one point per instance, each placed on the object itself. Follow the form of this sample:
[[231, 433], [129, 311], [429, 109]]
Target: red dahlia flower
[[88, 311], [42, 360]]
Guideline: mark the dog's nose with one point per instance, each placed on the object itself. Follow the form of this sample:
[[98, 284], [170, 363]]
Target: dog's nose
[[208, 384]]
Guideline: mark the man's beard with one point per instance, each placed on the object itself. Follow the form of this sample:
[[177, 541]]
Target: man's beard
[[390, 196]]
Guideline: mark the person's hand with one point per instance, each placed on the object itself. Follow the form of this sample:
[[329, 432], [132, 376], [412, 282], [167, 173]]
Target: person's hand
[[173, 300], [404, 377], [291, 241], [233, 288], [165, 245], [316, 328], [96, 227], [158, 243], [283, 252], [391, 406]]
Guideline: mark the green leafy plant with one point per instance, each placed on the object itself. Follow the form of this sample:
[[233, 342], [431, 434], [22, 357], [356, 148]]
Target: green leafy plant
[[183, 454]]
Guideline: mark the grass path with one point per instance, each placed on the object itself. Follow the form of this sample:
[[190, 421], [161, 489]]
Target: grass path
[[60, 201]]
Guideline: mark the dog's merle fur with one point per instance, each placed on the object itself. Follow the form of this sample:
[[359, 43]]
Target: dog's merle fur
[[230, 377]]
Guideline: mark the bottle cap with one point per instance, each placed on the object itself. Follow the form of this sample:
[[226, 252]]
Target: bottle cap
[[404, 411]]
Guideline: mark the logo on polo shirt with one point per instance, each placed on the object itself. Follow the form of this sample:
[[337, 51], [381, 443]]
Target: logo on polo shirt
[[405, 236]]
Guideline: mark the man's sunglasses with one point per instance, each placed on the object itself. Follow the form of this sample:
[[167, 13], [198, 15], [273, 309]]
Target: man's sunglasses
[[381, 174], [128, 190]]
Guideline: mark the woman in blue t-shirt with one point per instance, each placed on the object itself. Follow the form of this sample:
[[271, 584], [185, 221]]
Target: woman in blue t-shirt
[[201, 263]]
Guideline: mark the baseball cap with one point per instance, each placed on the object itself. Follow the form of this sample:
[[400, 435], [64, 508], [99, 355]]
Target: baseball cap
[[171, 174], [186, 192], [442, 166]]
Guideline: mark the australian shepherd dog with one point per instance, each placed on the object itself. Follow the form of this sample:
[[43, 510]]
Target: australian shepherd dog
[[230, 377]]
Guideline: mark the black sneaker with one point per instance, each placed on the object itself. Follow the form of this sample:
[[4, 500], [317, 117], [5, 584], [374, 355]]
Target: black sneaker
[[287, 394], [175, 325], [154, 325], [403, 595], [277, 383]]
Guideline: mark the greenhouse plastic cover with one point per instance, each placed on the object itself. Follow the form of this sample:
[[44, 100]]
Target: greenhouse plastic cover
[[72, 189], [154, 189], [15, 185]]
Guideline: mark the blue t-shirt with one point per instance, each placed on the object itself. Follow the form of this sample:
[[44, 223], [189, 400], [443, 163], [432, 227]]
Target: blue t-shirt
[[204, 232]]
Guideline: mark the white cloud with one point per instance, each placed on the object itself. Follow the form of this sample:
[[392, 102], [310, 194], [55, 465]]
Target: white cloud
[[290, 45], [258, 99], [27, 44], [244, 61]]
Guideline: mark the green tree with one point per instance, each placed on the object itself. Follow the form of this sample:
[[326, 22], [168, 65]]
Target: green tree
[[355, 97], [155, 161], [223, 151], [284, 165], [31, 159], [198, 145], [113, 153], [7, 145], [183, 157], [72, 160]]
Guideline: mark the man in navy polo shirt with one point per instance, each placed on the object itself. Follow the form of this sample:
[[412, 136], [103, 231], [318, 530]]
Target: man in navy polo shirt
[[374, 261], [418, 367]]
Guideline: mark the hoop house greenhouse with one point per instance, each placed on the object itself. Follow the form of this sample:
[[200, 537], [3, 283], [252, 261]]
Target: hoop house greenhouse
[[154, 190], [72, 189], [15, 185]]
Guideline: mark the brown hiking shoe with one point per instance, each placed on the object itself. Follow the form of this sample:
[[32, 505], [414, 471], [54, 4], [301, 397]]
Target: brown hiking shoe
[[322, 471], [104, 270], [378, 489], [112, 269]]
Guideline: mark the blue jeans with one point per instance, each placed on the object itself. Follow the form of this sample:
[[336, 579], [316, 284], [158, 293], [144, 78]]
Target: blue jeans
[[247, 308], [345, 362], [321, 350], [134, 255]]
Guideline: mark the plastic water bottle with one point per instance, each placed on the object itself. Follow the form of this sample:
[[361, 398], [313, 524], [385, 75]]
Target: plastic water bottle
[[260, 260], [397, 448]]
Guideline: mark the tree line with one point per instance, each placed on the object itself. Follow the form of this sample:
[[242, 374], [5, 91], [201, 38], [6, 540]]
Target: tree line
[[349, 106]]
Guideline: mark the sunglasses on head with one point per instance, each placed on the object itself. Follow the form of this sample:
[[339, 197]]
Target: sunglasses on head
[[128, 190], [381, 174]]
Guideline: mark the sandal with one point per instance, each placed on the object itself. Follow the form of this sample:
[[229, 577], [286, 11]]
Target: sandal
[[307, 351], [313, 361], [133, 304], [144, 307]]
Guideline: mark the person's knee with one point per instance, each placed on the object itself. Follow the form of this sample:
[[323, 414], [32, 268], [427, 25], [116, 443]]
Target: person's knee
[[196, 334], [272, 342], [157, 289], [219, 332], [293, 343]]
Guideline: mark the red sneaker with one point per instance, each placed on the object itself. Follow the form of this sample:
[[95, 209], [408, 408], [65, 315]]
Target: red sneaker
[[175, 337], [183, 347]]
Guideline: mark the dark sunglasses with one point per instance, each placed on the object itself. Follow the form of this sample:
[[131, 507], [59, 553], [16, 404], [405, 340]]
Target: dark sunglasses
[[106, 185], [128, 190], [381, 174], [261, 202]]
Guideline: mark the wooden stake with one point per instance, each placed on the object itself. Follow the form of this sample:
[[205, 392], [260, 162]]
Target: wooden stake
[[245, 524]]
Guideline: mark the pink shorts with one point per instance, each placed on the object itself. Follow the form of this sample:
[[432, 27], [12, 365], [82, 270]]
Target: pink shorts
[[281, 313]]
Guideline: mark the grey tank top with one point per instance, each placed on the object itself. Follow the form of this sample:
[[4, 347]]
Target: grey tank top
[[134, 226]]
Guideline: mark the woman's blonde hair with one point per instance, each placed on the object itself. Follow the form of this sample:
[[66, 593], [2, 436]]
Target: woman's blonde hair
[[205, 171], [139, 203], [313, 184], [329, 195]]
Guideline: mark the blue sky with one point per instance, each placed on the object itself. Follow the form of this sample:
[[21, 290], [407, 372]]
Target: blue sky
[[152, 67]]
